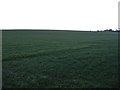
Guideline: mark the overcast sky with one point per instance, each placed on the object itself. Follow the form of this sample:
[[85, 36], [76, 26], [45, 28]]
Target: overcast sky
[[59, 14]]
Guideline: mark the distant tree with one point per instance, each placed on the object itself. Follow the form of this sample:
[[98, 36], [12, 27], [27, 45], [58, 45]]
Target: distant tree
[[97, 30], [117, 30], [108, 30]]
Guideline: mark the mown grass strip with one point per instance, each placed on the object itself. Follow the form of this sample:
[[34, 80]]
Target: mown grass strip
[[42, 53]]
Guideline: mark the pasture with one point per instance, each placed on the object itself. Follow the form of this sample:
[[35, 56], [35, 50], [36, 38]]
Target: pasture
[[59, 59]]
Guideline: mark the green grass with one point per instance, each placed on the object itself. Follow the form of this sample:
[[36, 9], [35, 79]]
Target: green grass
[[59, 59]]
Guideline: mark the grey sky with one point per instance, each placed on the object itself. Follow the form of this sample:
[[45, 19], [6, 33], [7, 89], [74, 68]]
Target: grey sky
[[59, 14], [119, 15]]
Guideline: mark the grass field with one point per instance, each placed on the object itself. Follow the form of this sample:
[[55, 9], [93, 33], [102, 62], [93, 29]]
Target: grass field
[[59, 59]]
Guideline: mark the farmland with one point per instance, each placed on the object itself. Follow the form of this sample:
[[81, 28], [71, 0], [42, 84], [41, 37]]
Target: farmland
[[59, 59]]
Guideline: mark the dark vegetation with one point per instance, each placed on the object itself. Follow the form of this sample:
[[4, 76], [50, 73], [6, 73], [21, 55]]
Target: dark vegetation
[[108, 30], [57, 59]]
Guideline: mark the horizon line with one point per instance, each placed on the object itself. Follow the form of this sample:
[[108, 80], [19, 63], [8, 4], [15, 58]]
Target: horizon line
[[59, 29]]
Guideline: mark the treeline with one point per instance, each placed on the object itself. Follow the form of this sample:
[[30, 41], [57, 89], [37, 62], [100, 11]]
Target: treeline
[[108, 30]]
